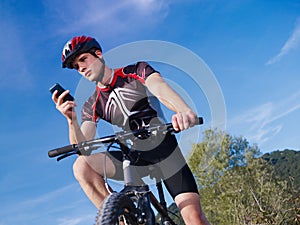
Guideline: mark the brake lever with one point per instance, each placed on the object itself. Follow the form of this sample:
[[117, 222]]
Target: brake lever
[[66, 155]]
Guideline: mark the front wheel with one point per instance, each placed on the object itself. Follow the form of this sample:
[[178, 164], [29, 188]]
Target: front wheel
[[117, 209]]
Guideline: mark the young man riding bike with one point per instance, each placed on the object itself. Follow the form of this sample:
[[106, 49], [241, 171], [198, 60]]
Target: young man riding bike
[[122, 98]]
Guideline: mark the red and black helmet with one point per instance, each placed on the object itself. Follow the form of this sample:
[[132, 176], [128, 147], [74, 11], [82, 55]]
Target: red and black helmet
[[76, 46]]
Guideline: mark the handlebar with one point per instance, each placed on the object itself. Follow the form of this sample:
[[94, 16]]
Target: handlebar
[[85, 148]]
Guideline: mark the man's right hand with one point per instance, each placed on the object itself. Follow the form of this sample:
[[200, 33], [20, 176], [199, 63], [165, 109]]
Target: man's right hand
[[66, 108]]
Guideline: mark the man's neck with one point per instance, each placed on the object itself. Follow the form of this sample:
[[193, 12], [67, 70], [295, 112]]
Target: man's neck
[[107, 78]]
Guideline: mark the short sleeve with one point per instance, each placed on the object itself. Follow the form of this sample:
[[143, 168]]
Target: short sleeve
[[144, 70], [88, 112]]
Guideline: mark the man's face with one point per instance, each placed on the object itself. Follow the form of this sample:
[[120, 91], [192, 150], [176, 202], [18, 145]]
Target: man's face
[[90, 67]]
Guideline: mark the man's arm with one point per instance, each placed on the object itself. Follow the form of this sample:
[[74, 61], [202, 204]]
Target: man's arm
[[184, 117], [77, 134]]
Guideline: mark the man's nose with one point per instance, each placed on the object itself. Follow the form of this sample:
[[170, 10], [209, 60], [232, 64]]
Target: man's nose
[[81, 67]]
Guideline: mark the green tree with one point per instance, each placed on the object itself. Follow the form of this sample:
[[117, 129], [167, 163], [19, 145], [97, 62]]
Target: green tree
[[238, 187], [217, 153]]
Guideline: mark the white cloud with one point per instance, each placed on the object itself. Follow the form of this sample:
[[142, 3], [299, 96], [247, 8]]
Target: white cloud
[[76, 220], [42, 206], [106, 17], [43, 199], [292, 43], [263, 123]]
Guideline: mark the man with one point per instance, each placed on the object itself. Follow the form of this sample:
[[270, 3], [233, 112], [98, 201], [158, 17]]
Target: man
[[122, 98]]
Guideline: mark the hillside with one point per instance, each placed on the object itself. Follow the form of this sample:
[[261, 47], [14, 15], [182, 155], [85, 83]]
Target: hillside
[[286, 163]]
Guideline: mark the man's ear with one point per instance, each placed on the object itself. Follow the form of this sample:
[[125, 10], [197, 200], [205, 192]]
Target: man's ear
[[99, 53]]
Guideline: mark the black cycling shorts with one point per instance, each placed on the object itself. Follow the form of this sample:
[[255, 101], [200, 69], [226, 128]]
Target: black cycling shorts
[[163, 160]]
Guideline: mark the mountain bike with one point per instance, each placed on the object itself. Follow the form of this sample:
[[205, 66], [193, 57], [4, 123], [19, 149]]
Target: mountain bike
[[133, 204]]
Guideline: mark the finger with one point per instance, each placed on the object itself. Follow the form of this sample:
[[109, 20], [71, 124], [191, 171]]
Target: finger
[[54, 97], [175, 123], [65, 110], [62, 96], [68, 106], [180, 121], [186, 120], [72, 103], [192, 120]]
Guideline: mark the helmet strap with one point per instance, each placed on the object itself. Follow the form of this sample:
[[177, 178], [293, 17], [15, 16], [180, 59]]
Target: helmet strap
[[101, 60]]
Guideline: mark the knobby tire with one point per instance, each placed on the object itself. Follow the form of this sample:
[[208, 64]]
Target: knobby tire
[[115, 208]]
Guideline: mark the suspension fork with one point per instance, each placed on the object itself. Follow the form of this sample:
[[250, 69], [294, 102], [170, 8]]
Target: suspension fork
[[146, 215], [141, 195]]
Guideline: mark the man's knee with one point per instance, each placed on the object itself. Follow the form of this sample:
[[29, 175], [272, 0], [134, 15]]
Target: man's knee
[[81, 169], [187, 200], [190, 208]]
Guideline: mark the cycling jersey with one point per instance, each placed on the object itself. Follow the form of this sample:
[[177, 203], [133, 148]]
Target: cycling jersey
[[126, 101]]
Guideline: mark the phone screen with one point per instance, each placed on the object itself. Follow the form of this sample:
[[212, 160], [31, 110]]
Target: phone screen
[[60, 90]]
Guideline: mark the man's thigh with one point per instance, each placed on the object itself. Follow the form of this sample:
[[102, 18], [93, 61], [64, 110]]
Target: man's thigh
[[100, 162]]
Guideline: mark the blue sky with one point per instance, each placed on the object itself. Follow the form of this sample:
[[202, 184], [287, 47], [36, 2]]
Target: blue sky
[[252, 47]]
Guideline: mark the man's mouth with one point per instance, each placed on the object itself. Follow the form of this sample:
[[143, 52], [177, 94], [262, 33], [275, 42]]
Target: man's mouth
[[88, 73]]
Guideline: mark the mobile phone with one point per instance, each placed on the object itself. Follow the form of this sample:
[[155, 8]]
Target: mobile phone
[[60, 90]]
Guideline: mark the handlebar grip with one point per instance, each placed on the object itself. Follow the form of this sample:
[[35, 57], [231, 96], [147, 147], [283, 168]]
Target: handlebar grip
[[199, 121], [62, 150]]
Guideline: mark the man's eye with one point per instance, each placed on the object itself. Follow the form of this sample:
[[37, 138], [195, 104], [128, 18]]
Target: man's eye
[[82, 59], [76, 67]]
